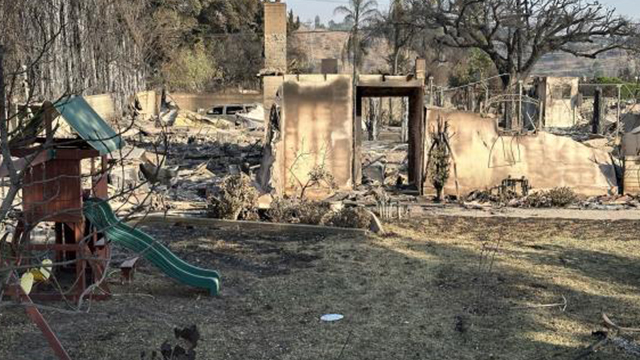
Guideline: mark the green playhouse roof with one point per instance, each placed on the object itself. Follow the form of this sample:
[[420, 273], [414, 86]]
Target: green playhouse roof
[[88, 124]]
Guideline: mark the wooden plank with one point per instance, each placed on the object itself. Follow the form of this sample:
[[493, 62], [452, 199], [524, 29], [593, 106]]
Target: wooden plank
[[52, 191], [76, 154], [59, 153], [56, 247], [36, 317], [128, 264], [66, 216], [21, 164], [101, 187]]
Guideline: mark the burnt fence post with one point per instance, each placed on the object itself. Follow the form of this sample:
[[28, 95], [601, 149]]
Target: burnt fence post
[[598, 107]]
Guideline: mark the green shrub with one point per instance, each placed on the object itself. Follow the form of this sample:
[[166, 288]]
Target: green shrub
[[189, 69]]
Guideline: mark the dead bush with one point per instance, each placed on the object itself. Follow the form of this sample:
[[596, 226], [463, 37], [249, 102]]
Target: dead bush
[[439, 157], [318, 176], [281, 210], [556, 197], [236, 200], [493, 195], [350, 217], [562, 196], [294, 211], [313, 212]]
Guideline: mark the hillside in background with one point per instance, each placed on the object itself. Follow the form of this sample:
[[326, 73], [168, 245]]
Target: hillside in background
[[328, 44], [612, 63], [321, 44]]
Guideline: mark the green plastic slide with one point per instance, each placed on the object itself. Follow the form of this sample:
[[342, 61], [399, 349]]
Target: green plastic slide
[[99, 213]]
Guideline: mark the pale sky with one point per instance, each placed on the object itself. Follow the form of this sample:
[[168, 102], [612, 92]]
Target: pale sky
[[308, 9]]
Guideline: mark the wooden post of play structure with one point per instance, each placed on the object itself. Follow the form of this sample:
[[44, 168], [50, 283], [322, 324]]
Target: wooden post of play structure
[[597, 111]]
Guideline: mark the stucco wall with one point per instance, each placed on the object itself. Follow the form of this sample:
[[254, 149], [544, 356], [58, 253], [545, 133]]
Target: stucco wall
[[484, 158], [270, 86], [317, 128], [149, 100], [193, 102], [103, 104], [632, 175], [631, 143], [560, 108]]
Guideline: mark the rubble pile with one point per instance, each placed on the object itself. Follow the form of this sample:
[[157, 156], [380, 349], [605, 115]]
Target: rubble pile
[[385, 162], [184, 161], [554, 198], [611, 202], [193, 167], [189, 119]]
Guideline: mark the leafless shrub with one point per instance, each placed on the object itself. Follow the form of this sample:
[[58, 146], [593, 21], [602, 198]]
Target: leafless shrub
[[318, 176], [484, 281], [236, 200], [349, 217]]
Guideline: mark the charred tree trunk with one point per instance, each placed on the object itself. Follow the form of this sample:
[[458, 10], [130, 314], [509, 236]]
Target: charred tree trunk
[[598, 112], [82, 47], [373, 123]]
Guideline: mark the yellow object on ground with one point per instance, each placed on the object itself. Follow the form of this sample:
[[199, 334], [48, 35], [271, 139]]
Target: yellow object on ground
[[26, 282], [44, 272]]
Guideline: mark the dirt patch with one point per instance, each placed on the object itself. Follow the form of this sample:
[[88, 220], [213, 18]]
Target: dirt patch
[[443, 287]]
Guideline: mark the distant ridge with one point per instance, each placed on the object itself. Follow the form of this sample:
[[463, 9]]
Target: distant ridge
[[321, 44]]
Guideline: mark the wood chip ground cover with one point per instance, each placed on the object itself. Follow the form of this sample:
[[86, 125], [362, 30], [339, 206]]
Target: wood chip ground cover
[[437, 288]]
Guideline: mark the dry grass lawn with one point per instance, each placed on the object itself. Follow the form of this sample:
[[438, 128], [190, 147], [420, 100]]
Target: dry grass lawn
[[436, 288]]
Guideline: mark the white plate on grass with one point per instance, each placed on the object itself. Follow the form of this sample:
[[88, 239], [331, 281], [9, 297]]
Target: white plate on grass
[[331, 317]]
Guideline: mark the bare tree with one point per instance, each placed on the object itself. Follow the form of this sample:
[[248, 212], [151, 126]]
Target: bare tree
[[395, 27], [36, 70], [361, 13], [516, 34]]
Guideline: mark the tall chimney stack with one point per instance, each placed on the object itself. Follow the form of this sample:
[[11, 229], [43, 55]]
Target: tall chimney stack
[[275, 36]]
